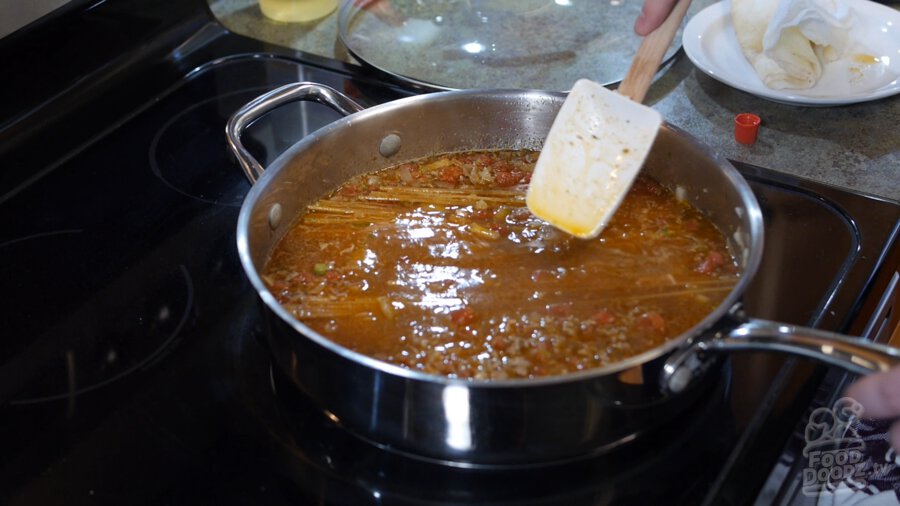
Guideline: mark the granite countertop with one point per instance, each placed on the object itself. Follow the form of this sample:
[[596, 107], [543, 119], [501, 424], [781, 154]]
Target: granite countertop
[[853, 146]]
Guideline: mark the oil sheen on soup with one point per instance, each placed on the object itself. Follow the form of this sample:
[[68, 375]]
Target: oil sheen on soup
[[438, 266]]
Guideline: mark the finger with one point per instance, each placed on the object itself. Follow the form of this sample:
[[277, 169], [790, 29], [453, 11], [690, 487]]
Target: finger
[[879, 394], [894, 436], [652, 15]]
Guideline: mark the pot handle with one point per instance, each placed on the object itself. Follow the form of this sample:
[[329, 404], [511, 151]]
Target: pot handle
[[851, 353], [259, 106]]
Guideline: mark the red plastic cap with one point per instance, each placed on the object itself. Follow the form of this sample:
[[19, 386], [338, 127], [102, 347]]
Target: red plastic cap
[[746, 127]]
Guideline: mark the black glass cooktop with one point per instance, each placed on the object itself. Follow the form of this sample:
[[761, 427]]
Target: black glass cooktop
[[132, 364]]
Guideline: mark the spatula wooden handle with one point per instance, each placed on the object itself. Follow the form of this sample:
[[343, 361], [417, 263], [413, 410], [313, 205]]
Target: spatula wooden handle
[[650, 54]]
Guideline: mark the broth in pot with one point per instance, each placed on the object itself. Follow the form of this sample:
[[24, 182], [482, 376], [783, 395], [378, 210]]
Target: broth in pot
[[438, 266]]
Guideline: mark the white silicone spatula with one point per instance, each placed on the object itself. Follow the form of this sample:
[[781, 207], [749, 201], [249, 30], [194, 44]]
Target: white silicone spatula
[[598, 143]]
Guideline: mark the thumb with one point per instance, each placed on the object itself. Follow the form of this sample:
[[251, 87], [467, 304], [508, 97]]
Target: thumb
[[652, 15], [879, 394]]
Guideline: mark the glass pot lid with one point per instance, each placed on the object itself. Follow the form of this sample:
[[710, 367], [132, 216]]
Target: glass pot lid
[[462, 44]]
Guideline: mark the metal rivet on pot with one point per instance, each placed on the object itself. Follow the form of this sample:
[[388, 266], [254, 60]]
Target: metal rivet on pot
[[390, 145], [274, 216], [680, 379]]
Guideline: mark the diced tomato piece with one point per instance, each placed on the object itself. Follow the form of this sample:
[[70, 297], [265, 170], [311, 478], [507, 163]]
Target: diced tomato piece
[[560, 308], [691, 225], [711, 263], [652, 321], [520, 215], [332, 275], [463, 316], [603, 317], [508, 178], [451, 174]]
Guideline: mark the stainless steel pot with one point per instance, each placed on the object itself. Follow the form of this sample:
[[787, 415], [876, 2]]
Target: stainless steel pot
[[509, 422]]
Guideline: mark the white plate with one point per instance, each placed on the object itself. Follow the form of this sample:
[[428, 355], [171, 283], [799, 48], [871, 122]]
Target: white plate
[[710, 42]]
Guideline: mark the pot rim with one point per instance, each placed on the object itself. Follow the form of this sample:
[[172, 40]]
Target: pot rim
[[748, 203]]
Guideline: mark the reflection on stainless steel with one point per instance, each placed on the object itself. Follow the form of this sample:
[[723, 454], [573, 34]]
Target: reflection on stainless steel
[[456, 412], [475, 44], [283, 95], [507, 61], [853, 354]]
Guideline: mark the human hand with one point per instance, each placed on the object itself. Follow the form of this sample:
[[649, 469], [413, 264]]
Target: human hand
[[879, 395], [652, 15]]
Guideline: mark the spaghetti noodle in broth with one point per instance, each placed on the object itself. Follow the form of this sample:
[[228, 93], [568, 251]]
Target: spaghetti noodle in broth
[[438, 266]]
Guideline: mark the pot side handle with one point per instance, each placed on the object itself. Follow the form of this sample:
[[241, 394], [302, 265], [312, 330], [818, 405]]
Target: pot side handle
[[259, 106], [851, 353]]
